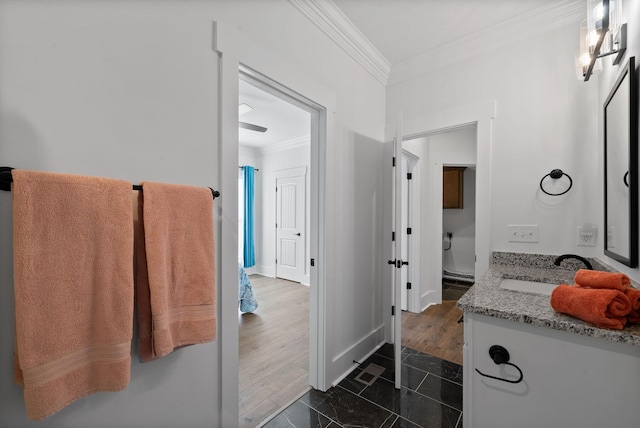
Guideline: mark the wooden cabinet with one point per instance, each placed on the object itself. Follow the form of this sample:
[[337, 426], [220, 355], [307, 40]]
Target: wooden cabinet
[[452, 185]]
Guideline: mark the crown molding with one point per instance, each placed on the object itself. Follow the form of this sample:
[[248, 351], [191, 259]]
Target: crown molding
[[497, 36], [284, 145], [328, 18]]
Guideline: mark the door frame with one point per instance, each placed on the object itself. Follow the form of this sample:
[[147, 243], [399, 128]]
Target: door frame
[[482, 114], [413, 215], [234, 50], [316, 174], [420, 125]]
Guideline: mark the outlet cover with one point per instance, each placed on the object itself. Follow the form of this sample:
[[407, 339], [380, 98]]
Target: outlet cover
[[587, 236], [523, 232]]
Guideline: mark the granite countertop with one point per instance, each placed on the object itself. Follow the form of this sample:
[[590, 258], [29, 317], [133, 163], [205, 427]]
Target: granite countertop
[[487, 298]]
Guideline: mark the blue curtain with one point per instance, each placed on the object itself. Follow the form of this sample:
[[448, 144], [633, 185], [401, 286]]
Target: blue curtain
[[249, 249]]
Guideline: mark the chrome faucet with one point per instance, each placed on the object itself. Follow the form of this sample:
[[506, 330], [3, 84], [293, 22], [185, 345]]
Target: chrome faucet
[[573, 256]]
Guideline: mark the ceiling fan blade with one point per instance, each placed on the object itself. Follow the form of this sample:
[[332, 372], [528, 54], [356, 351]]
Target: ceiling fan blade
[[252, 127]]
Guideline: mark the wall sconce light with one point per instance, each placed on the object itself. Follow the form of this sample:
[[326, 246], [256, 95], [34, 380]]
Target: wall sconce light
[[602, 34]]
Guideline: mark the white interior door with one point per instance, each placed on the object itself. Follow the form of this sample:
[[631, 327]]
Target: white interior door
[[290, 227], [397, 251]]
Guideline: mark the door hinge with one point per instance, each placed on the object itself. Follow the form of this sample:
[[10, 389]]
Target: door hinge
[[408, 286], [393, 310], [393, 161], [408, 231], [409, 176], [313, 262], [393, 236], [276, 261]]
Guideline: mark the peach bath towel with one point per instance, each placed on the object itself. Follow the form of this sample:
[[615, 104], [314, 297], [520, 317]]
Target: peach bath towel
[[176, 295], [600, 279], [604, 308], [73, 281], [634, 295]]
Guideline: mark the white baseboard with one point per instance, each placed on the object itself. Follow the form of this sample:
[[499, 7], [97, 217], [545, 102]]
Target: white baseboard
[[268, 271], [361, 350], [355, 366], [431, 297]]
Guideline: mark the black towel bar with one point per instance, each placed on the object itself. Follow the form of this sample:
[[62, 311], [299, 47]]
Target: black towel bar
[[6, 179]]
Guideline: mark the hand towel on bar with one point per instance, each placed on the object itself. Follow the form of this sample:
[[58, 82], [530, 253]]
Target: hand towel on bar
[[634, 295], [604, 308], [600, 279], [73, 281], [177, 224]]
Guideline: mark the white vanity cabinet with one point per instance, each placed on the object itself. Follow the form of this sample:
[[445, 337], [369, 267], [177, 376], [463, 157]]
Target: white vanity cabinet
[[569, 380]]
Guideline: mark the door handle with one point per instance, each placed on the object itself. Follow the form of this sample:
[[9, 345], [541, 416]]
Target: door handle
[[298, 234], [398, 263]]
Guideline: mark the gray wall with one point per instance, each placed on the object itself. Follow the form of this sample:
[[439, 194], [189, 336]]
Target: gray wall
[[125, 93], [131, 90]]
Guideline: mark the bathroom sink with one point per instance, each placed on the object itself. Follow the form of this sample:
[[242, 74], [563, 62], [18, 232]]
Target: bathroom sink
[[528, 286]]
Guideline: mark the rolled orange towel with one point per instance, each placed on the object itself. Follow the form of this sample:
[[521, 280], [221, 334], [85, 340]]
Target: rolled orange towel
[[600, 279], [634, 295], [604, 308]]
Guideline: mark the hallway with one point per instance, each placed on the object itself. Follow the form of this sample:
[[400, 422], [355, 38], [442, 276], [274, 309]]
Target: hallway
[[274, 349]]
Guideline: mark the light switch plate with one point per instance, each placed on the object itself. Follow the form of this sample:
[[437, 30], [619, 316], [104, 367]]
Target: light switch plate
[[523, 233]]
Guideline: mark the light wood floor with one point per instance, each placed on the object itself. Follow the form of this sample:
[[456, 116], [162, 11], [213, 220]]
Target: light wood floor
[[274, 345], [435, 331], [274, 349]]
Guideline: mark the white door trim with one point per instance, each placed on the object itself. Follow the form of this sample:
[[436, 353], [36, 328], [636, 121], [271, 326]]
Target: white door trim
[[413, 269], [483, 115], [317, 306], [234, 48], [397, 252], [291, 172]]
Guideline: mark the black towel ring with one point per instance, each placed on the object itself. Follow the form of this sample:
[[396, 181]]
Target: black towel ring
[[626, 176], [500, 355], [555, 174]]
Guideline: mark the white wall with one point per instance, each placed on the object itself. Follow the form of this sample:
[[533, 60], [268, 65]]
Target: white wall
[[276, 159], [545, 119], [130, 90], [605, 81]]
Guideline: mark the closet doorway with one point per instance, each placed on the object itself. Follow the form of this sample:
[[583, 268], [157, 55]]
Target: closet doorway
[[277, 362], [431, 323]]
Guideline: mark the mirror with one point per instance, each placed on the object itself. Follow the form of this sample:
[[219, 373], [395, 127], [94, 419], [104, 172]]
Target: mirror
[[621, 168]]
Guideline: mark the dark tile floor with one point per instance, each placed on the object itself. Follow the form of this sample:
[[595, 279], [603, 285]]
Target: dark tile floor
[[431, 396]]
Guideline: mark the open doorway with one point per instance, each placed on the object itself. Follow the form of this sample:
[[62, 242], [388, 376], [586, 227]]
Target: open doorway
[[274, 333], [431, 322], [458, 230]]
